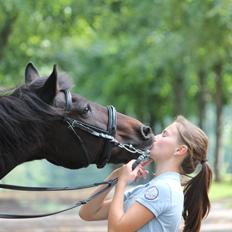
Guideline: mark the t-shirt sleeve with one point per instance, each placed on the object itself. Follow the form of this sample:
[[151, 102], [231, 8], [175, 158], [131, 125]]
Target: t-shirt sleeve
[[126, 195], [156, 198], [130, 192]]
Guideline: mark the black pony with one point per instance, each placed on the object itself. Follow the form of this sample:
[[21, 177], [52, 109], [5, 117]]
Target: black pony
[[32, 126]]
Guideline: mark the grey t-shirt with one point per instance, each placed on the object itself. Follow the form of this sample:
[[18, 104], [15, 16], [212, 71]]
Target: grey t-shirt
[[163, 196]]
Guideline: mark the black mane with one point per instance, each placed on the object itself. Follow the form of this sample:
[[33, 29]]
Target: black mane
[[24, 117]]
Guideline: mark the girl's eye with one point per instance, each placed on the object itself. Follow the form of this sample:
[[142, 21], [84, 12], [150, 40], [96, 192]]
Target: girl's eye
[[164, 134]]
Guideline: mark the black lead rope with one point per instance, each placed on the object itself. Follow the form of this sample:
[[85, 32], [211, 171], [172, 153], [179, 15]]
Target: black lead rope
[[109, 184], [110, 141], [26, 188]]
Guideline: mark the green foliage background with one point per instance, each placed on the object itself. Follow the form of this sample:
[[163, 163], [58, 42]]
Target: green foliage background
[[152, 59]]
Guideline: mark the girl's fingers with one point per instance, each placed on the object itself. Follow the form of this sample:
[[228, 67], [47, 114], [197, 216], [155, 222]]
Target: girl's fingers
[[128, 174], [142, 172], [147, 162]]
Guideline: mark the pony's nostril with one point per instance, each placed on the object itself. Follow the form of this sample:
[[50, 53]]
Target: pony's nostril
[[146, 132]]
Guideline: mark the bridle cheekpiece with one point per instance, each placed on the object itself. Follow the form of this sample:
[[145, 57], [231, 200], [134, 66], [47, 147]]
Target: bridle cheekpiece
[[108, 135]]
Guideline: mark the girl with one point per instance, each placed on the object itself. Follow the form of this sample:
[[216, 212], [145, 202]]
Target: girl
[[159, 204]]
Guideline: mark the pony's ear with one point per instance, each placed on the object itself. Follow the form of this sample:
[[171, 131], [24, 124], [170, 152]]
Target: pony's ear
[[48, 91], [31, 73]]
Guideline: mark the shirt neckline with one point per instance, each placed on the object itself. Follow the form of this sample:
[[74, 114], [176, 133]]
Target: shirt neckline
[[172, 175]]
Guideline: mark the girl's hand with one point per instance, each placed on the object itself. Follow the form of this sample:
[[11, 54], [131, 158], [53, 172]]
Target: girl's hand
[[128, 175], [115, 173]]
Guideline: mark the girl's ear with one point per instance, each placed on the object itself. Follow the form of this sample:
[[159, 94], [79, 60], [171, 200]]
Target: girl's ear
[[181, 150]]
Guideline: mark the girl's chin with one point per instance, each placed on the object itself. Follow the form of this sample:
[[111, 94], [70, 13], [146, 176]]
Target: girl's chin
[[153, 158]]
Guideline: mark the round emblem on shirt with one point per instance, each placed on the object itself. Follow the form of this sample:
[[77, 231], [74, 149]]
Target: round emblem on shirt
[[151, 193]]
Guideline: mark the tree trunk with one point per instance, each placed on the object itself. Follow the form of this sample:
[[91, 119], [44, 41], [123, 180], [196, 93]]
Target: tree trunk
[[202, 97], [179, 94], [219, 104], [5, 31]]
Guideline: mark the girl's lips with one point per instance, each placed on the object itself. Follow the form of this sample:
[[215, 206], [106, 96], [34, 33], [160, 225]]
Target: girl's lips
[[154, 140]]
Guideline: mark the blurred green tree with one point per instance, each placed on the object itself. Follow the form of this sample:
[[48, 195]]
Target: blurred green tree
[[152, 59]]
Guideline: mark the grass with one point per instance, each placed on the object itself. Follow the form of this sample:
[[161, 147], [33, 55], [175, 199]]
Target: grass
[[221, 191]]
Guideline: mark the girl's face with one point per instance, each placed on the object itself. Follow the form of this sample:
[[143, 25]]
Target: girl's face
[[165, 144]]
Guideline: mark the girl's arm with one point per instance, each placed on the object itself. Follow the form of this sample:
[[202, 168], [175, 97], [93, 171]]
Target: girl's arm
[[98, 208], [137, 215]]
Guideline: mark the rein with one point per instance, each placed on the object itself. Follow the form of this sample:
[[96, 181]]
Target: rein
[[110, 141], [108, 184]]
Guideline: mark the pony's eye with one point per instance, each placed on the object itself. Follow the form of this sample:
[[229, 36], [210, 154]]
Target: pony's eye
[[86, 109]]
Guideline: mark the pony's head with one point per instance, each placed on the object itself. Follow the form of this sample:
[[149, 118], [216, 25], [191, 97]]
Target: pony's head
[[48, 113]]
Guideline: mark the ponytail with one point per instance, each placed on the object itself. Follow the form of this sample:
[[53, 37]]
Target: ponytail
[[196, 201]]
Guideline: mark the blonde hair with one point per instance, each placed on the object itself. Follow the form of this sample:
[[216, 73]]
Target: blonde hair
[[196, 201]]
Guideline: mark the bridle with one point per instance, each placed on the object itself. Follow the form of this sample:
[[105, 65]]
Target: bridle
[[110, 141], [98, 132], [107, 135]]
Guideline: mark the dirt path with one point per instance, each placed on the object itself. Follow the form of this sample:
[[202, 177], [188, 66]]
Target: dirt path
[[219, 219], [61, 223]]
